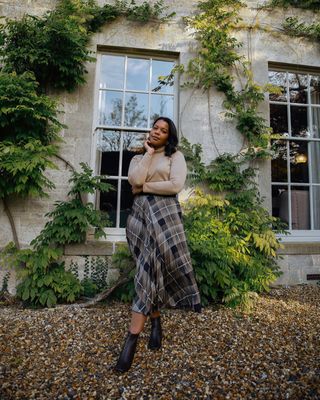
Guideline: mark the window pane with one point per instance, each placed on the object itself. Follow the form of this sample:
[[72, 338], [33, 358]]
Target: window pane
[[161, 68], [298, 85], [109, 144], [161, 105], [315, 89], [138, 74], [126, 202], [279, 164], [315, 167], [110, 108], [278, 79], [300, 208], [132, 145], [112, 72], [299, 162], [280, 203], [316, 208], [279, 119], [136, 110], [315, 112], [299, 121], [108, 201]]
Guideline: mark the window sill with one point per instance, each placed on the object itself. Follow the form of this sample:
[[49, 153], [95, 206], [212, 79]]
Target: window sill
[[302, 237]]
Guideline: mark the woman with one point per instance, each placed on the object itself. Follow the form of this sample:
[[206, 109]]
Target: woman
[[156, 238]]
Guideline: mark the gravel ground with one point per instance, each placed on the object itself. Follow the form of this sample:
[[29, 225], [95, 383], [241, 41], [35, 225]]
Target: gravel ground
[[68, 353]]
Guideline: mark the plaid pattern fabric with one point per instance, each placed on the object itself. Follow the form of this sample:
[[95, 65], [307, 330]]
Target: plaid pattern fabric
[[156, 238]]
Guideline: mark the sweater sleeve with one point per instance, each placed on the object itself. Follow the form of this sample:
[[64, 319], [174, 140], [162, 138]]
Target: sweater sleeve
[[177, 178], [138, 169]]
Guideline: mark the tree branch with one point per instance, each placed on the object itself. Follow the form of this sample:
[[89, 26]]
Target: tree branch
[[65, 161], [12, 224]]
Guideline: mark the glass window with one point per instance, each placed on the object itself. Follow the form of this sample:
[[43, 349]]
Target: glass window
[[131, 94], [295, 115]]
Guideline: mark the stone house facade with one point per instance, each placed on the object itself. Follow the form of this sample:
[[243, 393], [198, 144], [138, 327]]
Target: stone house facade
[[109, 116]]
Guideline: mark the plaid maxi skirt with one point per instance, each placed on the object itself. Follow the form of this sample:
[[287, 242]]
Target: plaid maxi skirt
[[164, 275]]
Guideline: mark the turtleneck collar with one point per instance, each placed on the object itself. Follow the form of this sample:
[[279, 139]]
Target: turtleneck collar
[[160, 149]]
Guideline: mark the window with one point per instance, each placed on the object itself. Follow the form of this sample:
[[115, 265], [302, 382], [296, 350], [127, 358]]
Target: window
[[295, 117], [131, 97]]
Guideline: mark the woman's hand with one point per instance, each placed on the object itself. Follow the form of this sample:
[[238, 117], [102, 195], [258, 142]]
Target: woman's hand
[[136, 189], [149, 149]]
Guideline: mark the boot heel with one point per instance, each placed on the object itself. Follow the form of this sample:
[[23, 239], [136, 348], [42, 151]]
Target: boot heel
[[156, 334], [127, 354]]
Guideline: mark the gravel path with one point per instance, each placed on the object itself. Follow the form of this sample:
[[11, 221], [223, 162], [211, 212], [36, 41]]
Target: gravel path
[[68, 353]]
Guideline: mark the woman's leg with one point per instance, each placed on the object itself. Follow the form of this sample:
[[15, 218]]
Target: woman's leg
[[156, 331], [127, 354], [137, 322]]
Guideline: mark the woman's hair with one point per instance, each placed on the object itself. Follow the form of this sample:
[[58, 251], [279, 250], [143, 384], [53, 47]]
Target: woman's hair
[[173, 140]]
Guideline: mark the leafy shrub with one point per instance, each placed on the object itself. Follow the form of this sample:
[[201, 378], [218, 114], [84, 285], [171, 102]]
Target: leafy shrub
[[71, 219], [25, 114], [44, 280], [233, 250], [56, 54], [90, 289], [22, 167]]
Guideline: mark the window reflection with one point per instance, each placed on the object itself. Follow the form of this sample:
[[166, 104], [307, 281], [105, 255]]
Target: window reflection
[[299, 162], [136, 110], [278, 79], [298, 85], [110, 108], [315, 89], [279, 164], [132, 145], [161, 68], [300, 207], [109, 145], [161, 105], [126, 202], [299, 121], [137, 74], [108, 201], [112, 72], [279, 119], [280, 203]]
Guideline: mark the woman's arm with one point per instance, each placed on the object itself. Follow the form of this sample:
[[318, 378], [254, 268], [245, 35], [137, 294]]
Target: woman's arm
[[178, 174], [138, 169]]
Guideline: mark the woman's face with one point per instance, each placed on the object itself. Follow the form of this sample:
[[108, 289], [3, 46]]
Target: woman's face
[[159, 134]]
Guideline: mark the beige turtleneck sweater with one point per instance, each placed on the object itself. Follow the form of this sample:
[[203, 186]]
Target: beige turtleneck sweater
[[157, 173]]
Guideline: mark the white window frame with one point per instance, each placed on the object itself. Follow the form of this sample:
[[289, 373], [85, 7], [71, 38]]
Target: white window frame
[[298, 236], [115, 234]]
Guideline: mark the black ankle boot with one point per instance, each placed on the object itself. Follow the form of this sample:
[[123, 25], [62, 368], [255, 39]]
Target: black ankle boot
[[156, 334], [127, 353]]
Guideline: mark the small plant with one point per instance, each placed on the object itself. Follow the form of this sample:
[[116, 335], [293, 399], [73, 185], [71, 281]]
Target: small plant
[[44, 280], [123, 261], [90, 289]]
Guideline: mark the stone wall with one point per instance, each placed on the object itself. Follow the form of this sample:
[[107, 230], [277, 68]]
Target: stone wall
[[216, 135]]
